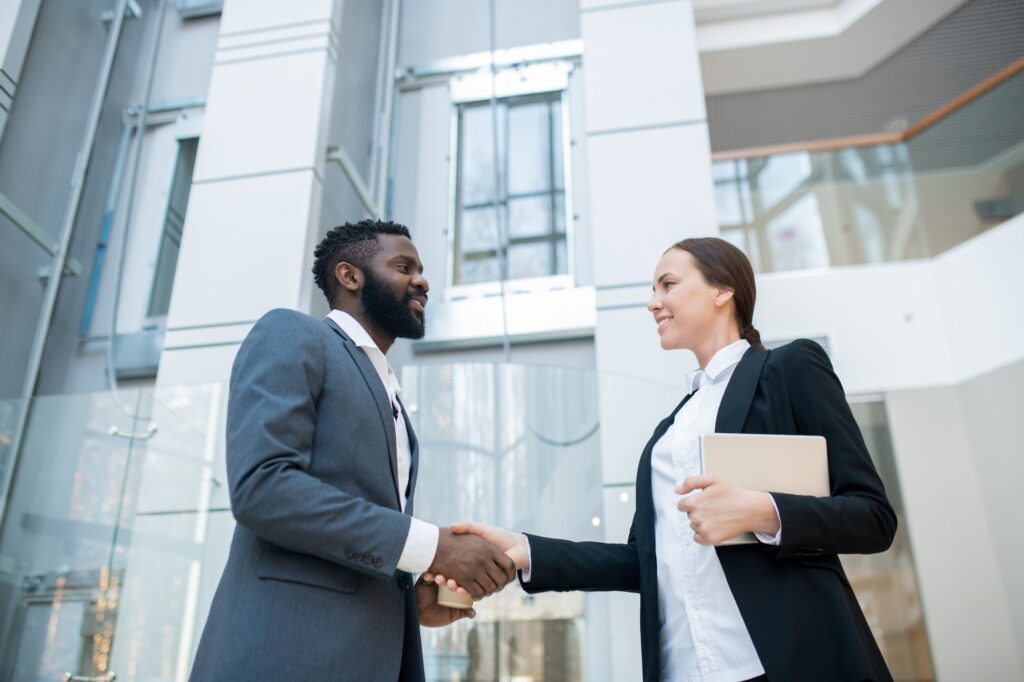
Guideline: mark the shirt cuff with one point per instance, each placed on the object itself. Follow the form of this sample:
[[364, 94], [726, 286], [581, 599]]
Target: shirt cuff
[[420, 547], [525, 573], [772, 539]]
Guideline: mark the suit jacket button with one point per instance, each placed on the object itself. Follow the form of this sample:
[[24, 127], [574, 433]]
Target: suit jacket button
[[367, 559], [349, 552], [378, 562]]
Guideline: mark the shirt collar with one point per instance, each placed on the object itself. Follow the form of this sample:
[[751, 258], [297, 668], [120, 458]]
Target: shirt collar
[[725, 359], [355, 331], [362, 338]]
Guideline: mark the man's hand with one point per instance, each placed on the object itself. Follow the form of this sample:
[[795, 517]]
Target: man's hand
[[721, 510], [512, 544], [432, 614], [473, 563]]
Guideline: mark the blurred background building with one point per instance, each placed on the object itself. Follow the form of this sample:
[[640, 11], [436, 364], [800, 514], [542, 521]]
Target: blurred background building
[[166, 167]]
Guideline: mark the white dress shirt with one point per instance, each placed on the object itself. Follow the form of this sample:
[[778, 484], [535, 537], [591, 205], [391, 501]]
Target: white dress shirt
[[702, 634], [421, 543]]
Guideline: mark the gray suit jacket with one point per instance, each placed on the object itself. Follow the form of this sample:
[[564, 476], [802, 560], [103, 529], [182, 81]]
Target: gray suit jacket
[[311, 590]]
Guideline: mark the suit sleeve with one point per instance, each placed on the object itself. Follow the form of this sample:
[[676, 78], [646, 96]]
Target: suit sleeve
[[275, 383], [857, 518], [564, 566]]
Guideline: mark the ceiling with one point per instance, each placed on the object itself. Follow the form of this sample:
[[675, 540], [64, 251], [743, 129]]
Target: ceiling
[[762, 44]]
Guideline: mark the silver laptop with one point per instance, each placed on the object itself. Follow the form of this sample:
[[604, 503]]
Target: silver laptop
[[782, 464]]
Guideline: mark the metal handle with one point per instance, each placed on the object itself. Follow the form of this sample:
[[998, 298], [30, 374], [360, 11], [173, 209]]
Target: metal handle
[[108, 677], [150, 432]]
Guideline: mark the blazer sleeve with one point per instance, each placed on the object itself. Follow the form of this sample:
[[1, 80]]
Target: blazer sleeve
[[857, 518], [565, 566], [272, 413]]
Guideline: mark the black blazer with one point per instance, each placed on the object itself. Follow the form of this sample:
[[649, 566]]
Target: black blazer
[[795, 599]]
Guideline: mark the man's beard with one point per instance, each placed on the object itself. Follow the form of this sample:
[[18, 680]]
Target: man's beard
[[390, 313]]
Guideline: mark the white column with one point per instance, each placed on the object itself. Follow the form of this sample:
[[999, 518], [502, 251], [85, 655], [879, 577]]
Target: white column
[[254, 208], [649, 170]]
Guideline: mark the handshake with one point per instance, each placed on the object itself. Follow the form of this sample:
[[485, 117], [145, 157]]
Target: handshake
[[471, 558]]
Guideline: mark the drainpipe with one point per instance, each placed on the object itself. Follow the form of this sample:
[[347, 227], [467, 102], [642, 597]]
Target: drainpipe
[[61, 257]]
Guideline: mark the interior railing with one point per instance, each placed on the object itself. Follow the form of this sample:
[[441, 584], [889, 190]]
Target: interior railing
[[883, 197]]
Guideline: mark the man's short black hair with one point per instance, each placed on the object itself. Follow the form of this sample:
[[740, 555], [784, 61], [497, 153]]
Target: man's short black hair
[[354, 243]]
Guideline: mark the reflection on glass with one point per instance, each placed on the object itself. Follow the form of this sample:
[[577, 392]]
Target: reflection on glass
[[60, 535], [517, 447], [914, 199], [114, 545], [796, 238]]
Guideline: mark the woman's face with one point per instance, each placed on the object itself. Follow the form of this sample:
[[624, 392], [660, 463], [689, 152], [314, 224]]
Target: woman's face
[[684, 305]]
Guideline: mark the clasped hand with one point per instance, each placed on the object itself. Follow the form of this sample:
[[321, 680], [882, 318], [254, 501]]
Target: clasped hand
[[477, 565], [513, 545], [721, 510]]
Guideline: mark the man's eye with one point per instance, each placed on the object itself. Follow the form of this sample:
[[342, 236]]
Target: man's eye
[[403, 267]]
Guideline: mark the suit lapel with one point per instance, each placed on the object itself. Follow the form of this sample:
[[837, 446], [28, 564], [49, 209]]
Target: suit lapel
[[740, 393], [380, 399], [414, 456], [644, 494]]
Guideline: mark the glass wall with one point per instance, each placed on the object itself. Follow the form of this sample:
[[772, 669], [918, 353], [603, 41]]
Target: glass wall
[[887, 202], [119, 525], [514, 446]]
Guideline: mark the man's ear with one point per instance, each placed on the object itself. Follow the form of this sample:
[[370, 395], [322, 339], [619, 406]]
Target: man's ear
[[722, 297], [349, 277]]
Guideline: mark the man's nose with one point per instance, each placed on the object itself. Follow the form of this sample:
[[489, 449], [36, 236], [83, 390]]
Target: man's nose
[[420, 282]]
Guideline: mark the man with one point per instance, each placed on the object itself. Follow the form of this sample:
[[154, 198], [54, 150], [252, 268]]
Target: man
[[322, 463]]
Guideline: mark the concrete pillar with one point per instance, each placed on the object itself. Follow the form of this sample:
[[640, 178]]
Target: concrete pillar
[[254, 208], [649, 171]]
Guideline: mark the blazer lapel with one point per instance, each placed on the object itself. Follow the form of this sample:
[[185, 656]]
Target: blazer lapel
[[414, 456], [380, 399], [644, 494], [740, 393]]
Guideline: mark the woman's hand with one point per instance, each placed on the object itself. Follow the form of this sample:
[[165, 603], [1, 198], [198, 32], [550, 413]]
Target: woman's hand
[[513, 544], [721, 510], [432, 614]]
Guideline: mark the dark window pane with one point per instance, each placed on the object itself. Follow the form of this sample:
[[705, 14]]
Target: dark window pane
[[480, 270], [476, 156], [529, 217], [529, 155], [530, 260], [478, 230], [174, 223]]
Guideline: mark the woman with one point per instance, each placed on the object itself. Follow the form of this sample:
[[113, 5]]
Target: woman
[[781, 609]]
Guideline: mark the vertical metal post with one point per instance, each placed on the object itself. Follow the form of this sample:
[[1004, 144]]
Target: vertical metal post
[[60, 258]]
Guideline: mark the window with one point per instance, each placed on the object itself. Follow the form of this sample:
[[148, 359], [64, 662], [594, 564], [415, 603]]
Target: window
[[174, 221], [519, 209]]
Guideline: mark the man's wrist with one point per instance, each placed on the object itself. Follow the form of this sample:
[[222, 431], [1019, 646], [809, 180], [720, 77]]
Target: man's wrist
[[420, 548]]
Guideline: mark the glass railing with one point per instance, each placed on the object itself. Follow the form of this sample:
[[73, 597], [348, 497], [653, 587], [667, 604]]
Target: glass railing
[[119, 524], [880, 198]]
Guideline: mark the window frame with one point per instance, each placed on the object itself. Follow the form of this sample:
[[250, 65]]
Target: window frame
[[510, 84], [185, 128]]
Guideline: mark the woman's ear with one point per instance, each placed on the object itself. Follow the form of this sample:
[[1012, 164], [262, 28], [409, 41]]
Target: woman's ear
[[722, 296], [348, 276]]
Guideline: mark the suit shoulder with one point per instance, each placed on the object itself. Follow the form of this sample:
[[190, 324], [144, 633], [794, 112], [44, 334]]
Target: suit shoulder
[[798, 349], [286, 318]]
